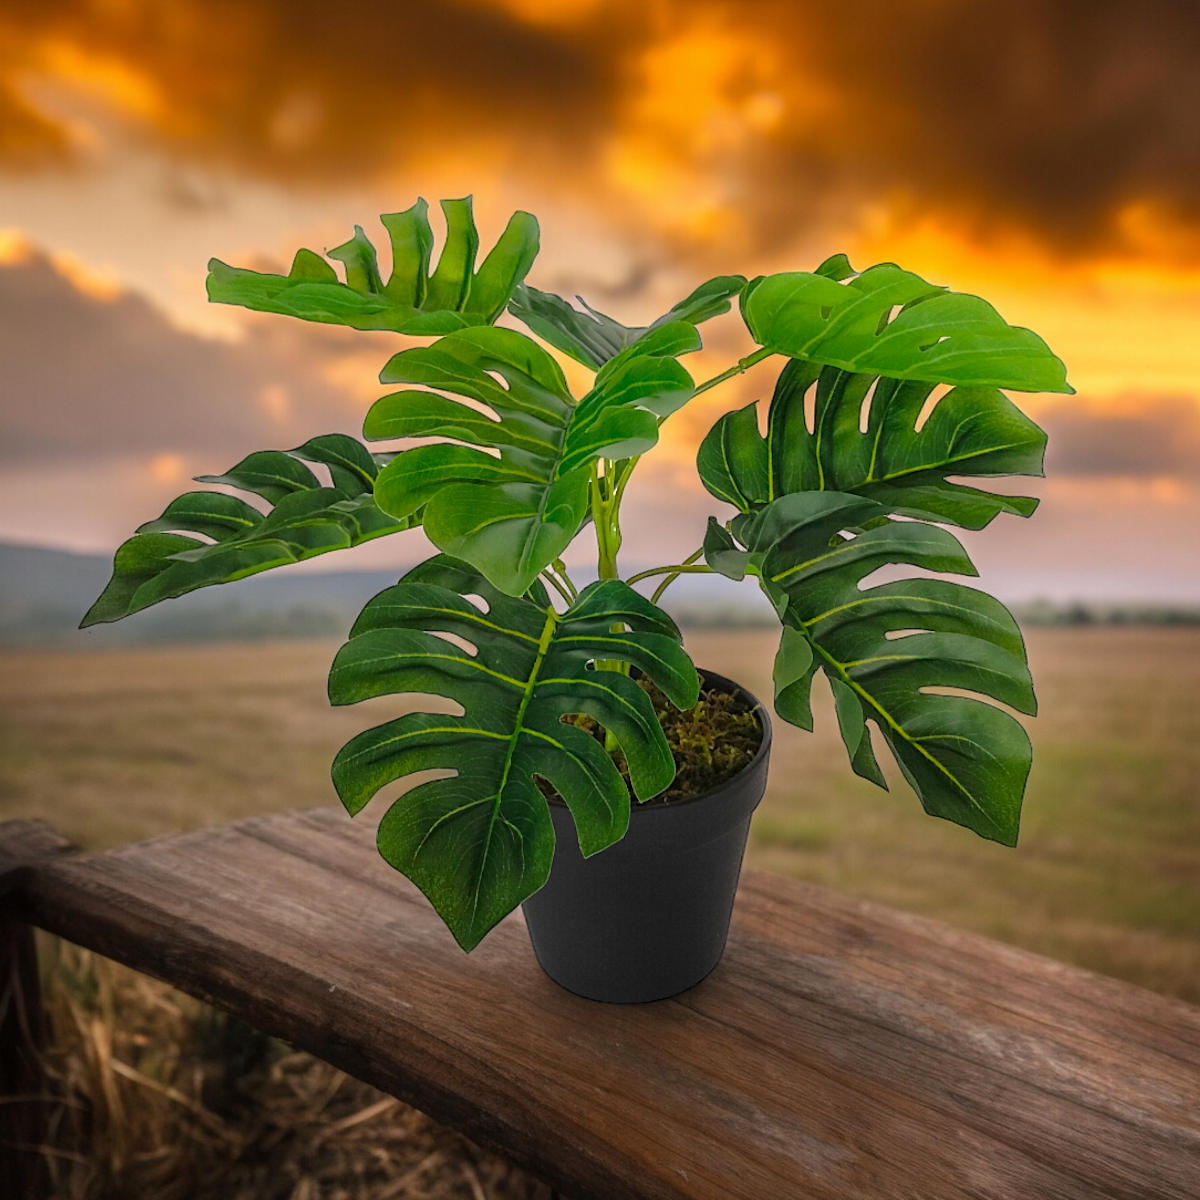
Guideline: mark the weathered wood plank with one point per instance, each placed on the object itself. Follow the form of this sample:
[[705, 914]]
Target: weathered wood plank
[[25, 844], [841, 1049]]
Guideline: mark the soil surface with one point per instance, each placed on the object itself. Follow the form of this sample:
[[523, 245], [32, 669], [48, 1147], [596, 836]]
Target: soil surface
[[710, 742]]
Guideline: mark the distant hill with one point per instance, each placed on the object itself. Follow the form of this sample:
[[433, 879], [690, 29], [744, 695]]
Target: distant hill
[[45, 592]]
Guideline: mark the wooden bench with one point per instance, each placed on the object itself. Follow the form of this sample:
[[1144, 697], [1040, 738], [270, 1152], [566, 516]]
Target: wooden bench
[[841, 1050]]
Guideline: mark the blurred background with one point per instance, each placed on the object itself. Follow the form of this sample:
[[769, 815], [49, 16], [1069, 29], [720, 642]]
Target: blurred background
[[1042, 153]]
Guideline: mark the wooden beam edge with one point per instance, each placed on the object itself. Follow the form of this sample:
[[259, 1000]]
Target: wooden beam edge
[[26, 845]]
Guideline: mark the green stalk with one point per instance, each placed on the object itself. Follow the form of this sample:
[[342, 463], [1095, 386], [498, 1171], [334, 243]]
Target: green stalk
[[687, 562], [560, 570], [689, 566], [554, 582], [606, 503], [740, 367], [605, 517]]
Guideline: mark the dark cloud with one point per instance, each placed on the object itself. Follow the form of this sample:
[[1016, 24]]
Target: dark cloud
[[318, 94], [1055, 113], [1146, 436], [27, 139], [1049, 116], [86, 377]]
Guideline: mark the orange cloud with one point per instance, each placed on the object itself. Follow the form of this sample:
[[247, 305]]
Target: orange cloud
[[28, 139], [101, 375], [1048, 161], [697, 107], [297, 90], [704, 120], [98, 285], [15, 248], [111, 78]]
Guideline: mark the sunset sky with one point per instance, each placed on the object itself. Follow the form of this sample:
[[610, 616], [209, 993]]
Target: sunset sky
[[1042, 153]]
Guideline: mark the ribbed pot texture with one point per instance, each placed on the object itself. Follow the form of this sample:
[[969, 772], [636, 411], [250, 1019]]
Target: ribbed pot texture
[[648, 917]]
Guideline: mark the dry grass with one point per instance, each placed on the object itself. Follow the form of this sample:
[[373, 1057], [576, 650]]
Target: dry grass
[[1106, 872], [163, 1101], [116, 745], [160, 1098]]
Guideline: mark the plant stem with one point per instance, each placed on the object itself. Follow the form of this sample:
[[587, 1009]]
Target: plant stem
[[738, 368], [549, 577], [606, 517], [623, 476], [687, 562], [560, 570], [608, 486], [699, 569]]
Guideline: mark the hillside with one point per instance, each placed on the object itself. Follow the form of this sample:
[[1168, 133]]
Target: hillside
[[45, 592]]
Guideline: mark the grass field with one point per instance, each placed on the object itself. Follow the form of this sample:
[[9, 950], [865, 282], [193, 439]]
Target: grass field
[[116, 745]]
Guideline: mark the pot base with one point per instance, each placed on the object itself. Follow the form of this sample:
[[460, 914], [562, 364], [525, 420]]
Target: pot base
[[639, 926]]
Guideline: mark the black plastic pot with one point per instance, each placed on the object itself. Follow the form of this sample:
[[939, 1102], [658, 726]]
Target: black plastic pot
[[648, 917]]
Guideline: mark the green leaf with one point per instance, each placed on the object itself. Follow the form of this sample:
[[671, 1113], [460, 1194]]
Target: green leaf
[[412, 301], [593, 339], [935, 335], [968, 431], [162, 560], [722, 553], [836, 267], [479, 843], [512, 512], [852, 724], [792, 675], [733, 462], [884, 648]]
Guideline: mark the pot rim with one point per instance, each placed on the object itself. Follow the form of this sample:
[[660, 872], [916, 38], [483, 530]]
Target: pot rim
[[764, 748]]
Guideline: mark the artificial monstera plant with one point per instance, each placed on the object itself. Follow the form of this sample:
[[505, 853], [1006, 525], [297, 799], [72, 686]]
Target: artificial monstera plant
[[890, 397]]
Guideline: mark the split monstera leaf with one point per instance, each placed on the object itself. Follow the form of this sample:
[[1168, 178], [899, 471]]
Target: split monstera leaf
[[412, 301], [827, 499], [592, 338], [479, 843], [513, 515], [889, 410], [166, 558]]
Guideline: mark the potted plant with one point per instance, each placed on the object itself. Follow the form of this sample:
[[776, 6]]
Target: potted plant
[[888, 398]]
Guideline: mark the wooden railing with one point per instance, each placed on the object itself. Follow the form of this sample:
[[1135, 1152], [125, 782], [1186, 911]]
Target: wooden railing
[[841, 1049]]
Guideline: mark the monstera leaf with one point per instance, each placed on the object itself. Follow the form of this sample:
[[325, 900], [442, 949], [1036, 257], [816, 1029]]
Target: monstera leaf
[[882, 649], [512, 513], [479, 843], [412, 301], [891, 322], [593, 338], [161, 561], [969, 431]]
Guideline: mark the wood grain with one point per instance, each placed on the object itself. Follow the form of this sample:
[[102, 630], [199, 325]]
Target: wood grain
[[25, 844], [841, 1049]]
